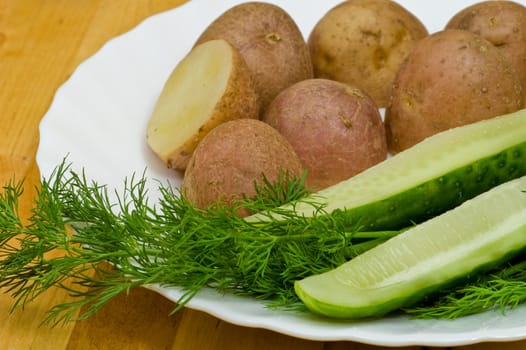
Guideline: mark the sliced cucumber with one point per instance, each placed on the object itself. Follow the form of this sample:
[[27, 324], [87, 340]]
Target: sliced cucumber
[[431, 177], [481, 232]]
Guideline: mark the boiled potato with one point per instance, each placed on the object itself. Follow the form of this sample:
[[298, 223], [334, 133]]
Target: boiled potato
[[233, 157], [503, 23], [335, 129], [363, 43], [211, 85], [270, 42], [452, 78]]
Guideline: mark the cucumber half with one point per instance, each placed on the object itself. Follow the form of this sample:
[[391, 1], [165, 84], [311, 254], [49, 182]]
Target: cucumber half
[[433, 176], [481, 232]]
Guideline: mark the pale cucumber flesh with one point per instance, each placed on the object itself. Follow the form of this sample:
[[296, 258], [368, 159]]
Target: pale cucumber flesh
[[479, 233], [431, 177]]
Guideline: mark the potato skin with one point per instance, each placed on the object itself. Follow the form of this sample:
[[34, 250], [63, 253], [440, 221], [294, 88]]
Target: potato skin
[[270, 42], [503, 23], [363, 43], [335, 129], [452, 78], [232, 157]]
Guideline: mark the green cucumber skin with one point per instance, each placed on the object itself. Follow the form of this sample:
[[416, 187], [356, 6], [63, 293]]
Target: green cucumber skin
[[438, 195]]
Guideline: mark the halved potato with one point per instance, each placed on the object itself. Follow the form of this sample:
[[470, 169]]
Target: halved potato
[[209, 86]]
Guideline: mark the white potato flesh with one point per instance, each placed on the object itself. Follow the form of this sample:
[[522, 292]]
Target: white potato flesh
[[189, 97]]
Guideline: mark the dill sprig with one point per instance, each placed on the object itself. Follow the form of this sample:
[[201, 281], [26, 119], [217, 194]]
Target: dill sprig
[[502, 290], [96, 243]]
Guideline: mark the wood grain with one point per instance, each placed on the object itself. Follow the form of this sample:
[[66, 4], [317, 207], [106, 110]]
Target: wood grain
[[41, 44]]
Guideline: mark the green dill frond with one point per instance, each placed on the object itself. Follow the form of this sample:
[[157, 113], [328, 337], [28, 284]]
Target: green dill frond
[[97, 242], [501, 290]]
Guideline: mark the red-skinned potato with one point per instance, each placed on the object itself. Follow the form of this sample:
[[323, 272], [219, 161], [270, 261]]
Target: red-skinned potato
[[503, 23], [233, 157], [270, 42], [335, 129], [451, 78]]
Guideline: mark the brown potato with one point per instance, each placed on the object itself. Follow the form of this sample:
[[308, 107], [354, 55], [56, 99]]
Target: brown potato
[[503, 23], [363, 43], [211, 85], [270, 42], [232, 158], [452, 78], [335, 129]]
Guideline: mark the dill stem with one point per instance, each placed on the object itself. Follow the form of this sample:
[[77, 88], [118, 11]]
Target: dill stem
[[374, 234]]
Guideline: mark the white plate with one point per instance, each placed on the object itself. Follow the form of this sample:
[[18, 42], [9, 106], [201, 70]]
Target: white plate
[[98, 119]]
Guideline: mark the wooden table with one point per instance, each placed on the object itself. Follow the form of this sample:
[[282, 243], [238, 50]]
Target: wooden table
[[41, 43]]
